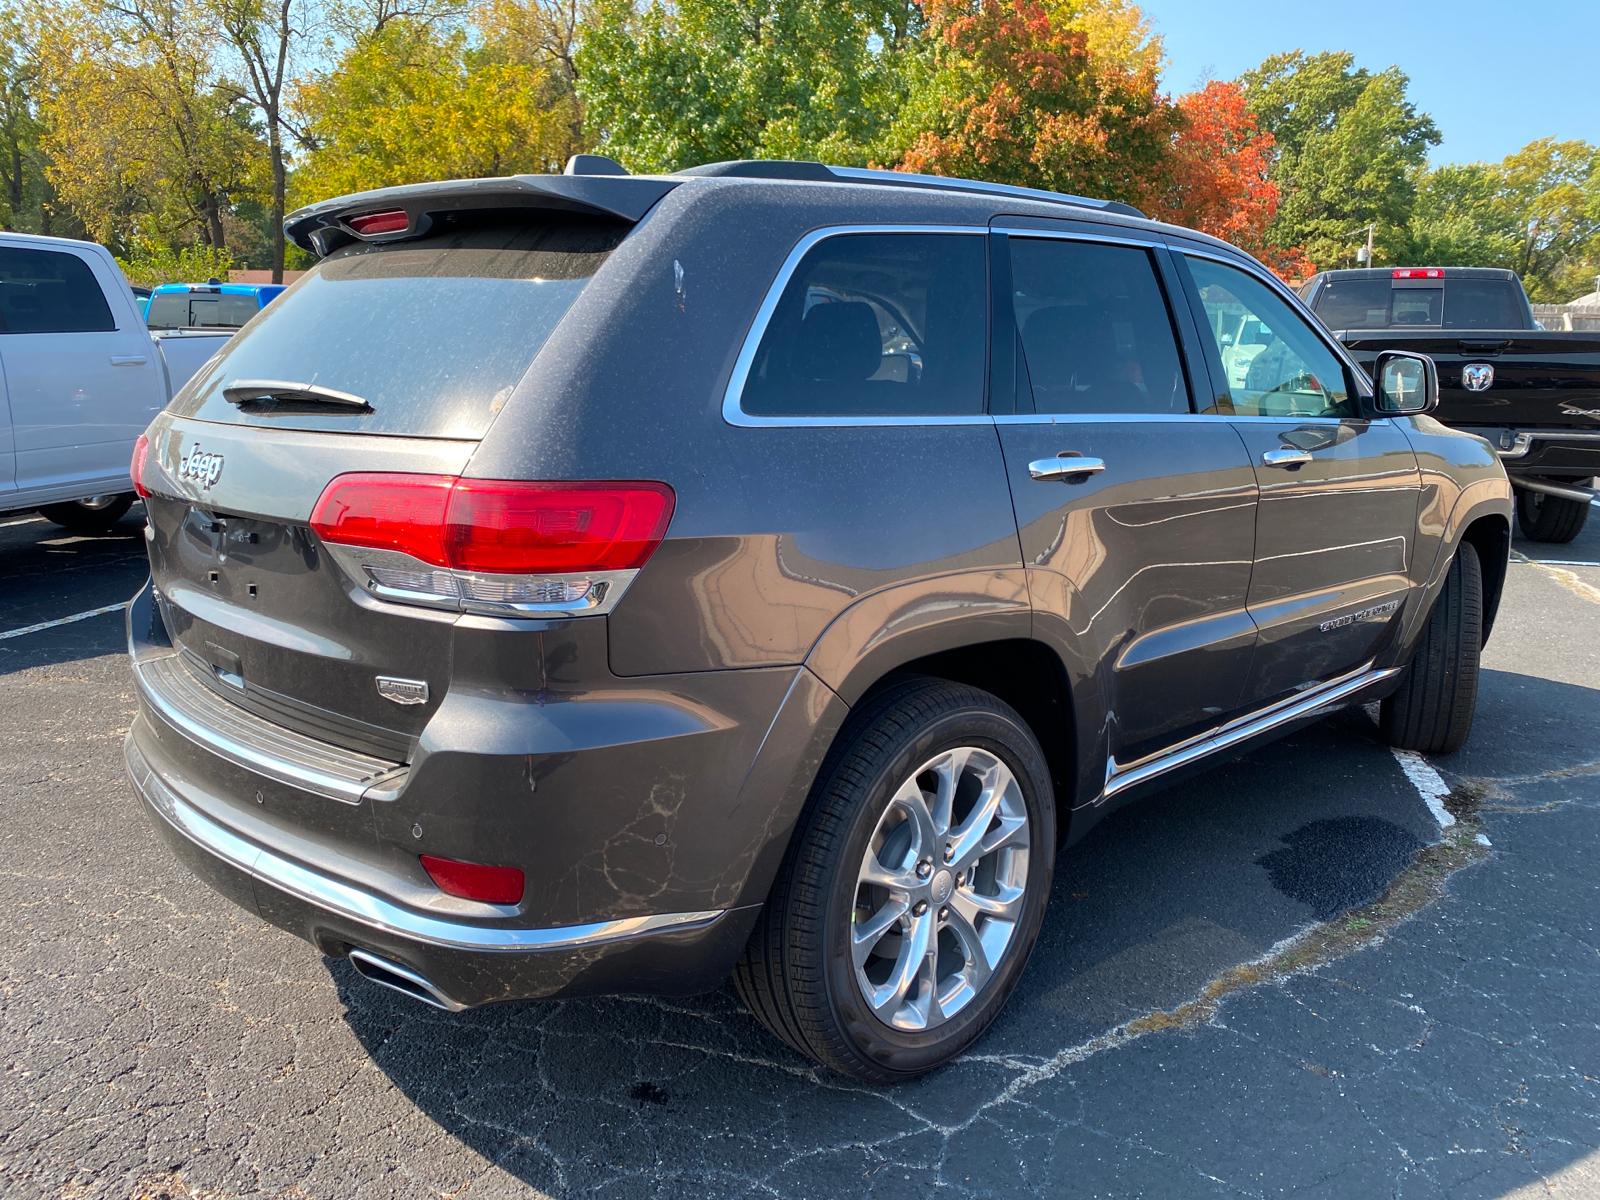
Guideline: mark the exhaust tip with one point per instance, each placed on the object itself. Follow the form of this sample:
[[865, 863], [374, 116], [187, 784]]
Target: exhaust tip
[[401, 979]]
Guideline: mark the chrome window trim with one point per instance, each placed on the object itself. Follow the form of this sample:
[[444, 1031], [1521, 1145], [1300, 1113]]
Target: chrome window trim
[[733, 395], [1073, 235], [1089, 418]]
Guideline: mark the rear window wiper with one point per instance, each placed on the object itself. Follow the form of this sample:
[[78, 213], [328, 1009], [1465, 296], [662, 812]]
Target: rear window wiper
[[274, 391]]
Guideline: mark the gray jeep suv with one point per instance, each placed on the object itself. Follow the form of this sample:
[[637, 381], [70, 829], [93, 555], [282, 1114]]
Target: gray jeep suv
[[599, 582]]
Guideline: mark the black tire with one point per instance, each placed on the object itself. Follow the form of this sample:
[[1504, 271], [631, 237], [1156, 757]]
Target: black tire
[[797, 975], [1432, 711], [1547, 518], [96, 515]]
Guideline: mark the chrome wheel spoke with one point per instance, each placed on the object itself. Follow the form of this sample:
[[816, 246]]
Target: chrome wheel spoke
[[978, 965], [865, 935], [910, 800], [893, 879], [888, 998], [972, 905], [948, 771], [1010, 831]]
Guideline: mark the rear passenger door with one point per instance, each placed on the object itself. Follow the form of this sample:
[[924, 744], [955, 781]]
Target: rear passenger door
[[1137, 519], [1339, 491]]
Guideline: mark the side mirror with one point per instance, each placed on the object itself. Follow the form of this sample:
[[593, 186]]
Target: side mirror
[[1406, 383]]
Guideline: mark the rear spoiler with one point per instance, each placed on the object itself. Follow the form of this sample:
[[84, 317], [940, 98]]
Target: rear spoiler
[[324, 227]]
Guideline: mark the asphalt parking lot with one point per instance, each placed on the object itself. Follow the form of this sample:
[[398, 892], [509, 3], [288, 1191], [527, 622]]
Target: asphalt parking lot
[[1232, 996]]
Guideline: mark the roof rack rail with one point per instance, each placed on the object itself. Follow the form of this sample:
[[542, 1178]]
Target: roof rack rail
[[813, 172]]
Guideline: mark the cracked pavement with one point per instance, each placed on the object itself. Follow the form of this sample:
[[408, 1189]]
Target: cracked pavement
[[158, 1042]]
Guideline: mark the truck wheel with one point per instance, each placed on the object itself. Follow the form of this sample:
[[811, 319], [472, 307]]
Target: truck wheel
[[1432, 710], [97, 514], [1550, 518], [913, 888]]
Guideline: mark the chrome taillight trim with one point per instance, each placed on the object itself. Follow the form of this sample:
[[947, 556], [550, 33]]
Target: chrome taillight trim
[[453, 591]]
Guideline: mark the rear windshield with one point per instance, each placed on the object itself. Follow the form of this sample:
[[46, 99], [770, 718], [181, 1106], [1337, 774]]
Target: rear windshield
[[1461, 303], [434, 334], [200, 310]]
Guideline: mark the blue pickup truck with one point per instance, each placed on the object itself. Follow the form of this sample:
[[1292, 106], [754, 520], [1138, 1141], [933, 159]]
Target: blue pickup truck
[[211, 305]]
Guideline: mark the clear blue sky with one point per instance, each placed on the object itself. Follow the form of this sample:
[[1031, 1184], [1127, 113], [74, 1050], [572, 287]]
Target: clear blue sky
[[1494, 76]]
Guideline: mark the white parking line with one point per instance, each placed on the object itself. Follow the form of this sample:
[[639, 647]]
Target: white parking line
[[21, 521], [1429, 783], [1556, 562], [83, 616]]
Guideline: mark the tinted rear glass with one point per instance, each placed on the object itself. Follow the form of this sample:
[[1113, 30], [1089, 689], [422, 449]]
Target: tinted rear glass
[[434, 333], [201, 310], [46, 291], [1461, 303], [877, 324]]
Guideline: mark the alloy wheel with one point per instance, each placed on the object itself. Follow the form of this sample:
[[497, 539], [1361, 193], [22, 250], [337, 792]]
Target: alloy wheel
[[940, 891]]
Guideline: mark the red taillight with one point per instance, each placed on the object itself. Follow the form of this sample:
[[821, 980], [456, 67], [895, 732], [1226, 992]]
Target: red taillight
[[474, 881], [555, 528], [497, 526], [141, 451], [1418, 273], [369, 224], [387, 512]]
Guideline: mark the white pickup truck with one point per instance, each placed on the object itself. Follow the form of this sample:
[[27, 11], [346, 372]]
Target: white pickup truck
[[80, 378]]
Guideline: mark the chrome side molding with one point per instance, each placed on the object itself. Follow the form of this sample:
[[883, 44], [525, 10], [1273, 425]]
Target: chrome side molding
[[1241, 729]]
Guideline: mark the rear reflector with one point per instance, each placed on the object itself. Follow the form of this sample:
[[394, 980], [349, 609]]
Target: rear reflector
[[369, 224], [474, 881], [1418, 273], [497, 526], [141, 451]]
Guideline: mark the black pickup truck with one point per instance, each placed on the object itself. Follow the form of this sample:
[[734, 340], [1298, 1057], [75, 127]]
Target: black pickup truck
[[1533, 393]]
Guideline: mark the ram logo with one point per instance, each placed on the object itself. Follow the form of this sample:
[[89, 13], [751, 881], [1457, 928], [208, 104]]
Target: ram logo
[[1477, 377], [200, 467]]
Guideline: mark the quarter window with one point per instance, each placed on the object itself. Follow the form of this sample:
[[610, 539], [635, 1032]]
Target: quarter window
[[1095, 331], [877, 324], [46, 291], [1273, 365]]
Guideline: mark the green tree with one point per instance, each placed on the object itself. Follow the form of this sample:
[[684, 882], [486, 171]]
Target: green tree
[[1460, 218], [1349, 147], [141, 139], [418, 100], [669, 85], [1551, 190]]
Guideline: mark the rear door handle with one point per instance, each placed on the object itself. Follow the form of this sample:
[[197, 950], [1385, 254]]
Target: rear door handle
[[127, 360], [1286, 457], [1065, 466]]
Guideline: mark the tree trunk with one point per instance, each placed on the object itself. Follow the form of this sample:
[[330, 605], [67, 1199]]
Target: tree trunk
[[275, 142], [213, 213]]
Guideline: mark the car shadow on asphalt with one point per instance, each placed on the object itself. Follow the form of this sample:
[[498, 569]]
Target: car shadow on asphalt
[[1149, 907], [48, 573]]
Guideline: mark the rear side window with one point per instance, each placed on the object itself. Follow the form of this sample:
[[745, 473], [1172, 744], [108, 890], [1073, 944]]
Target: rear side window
[[434, 334], [46, 291], [1095, 330], [1354, 303], [1483, 304], [877, 325]]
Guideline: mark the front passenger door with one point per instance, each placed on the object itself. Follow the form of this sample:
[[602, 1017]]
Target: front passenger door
[[1339, 491]]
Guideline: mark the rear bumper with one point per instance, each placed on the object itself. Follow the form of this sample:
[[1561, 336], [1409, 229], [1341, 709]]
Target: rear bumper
[[460, 964], [1553, 453]]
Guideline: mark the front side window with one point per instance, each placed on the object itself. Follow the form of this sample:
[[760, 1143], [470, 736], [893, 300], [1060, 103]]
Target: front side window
[[46, 291], [877, 325], [1095, 331], [1272, 363]]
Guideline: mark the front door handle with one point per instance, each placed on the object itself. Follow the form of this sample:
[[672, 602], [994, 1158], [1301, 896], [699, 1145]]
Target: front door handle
[[1286, 457], [1065, 466], [127, 360]]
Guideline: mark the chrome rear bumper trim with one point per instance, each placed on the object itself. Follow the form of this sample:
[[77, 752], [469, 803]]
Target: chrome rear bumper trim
[[1243, 729], [362, 772], [371, 911]]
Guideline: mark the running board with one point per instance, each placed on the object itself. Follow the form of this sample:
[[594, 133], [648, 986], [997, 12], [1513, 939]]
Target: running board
[[1242, 729]]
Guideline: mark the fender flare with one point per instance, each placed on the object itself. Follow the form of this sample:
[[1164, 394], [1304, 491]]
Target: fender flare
[[1480, 499]]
